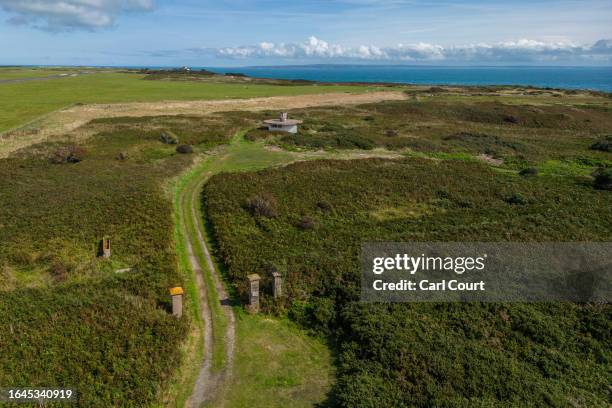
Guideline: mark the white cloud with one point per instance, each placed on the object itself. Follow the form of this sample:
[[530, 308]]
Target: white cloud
[[524, 50], [59, 15]]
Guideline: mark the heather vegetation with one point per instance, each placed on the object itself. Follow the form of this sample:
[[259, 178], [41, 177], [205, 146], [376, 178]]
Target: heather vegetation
[[71, 318], [419, 354], [473, 168], [520, 134]]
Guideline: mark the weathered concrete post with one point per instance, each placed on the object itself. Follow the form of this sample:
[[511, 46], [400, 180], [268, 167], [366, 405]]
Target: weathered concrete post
[[106, 251], [177, 301], [278, 284], [254, 292]]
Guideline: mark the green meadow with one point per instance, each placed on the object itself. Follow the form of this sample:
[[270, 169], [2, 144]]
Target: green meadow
[[26, 101]]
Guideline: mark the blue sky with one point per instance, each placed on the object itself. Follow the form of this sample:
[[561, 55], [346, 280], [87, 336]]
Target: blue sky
[[271, 32]]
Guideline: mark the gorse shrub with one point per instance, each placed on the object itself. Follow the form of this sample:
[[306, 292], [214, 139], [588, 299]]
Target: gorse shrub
[[603, 145], [307, 223], [68, 154], [603, 178], [184, 149], [324, 206], [516, 199], [511, 119], [391, 133], [264, 205], [168, 137], [529, 172]]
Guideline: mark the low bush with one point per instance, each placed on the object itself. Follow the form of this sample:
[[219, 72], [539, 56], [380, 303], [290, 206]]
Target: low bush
[[168, 137], [516, 199], [529, 172], [603, 145], [324, 206], [511, 119], [68, 154], [391, 133], [307, 223], [257, 134], [264, 205], [603, 178], [184, 149]]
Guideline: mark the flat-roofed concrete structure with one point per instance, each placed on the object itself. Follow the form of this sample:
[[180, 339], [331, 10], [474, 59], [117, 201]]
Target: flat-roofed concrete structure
[[283, 124]]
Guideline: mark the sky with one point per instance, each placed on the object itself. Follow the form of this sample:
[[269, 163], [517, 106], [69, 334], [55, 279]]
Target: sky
[[272, 32]]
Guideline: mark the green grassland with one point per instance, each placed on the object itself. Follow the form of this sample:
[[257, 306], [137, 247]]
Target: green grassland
[[23, 102], [21, 73], [277, 364]]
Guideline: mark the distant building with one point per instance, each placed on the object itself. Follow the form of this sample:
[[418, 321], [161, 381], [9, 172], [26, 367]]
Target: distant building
[[283, 124]]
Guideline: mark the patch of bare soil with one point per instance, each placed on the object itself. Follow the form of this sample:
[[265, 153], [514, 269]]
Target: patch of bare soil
[[67, 120], [490, 159]]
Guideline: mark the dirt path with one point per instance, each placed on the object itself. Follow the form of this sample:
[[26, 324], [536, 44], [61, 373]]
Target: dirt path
[[65, 121], [203, 381], [209, 384]]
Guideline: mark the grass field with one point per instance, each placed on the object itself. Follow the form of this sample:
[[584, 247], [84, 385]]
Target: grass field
[[23, 102], [277, 365], [19, 72]]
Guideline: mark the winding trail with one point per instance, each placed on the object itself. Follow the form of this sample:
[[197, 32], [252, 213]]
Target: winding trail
[[238, 155], [209, 383]]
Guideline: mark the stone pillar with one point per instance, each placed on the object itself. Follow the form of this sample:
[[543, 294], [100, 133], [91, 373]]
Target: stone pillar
[[253, 293], [106, 251], [278, 284], [177, 301]]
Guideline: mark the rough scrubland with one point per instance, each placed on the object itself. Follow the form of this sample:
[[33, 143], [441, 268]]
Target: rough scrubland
[[421, 354], [515, 129], [71, 318], [103, 327], [308, 221]]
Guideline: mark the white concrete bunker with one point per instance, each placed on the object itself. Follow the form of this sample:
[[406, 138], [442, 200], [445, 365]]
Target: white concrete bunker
[[283, 124]]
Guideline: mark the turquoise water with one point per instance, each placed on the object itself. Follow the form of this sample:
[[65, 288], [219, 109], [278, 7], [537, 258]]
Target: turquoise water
[[597, 78]]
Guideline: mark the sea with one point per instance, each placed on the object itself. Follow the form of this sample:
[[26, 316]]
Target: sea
[[595, 78]]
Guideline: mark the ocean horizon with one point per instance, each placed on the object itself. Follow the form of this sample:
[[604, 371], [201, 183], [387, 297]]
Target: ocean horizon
[[597, 78], [593, 78]]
